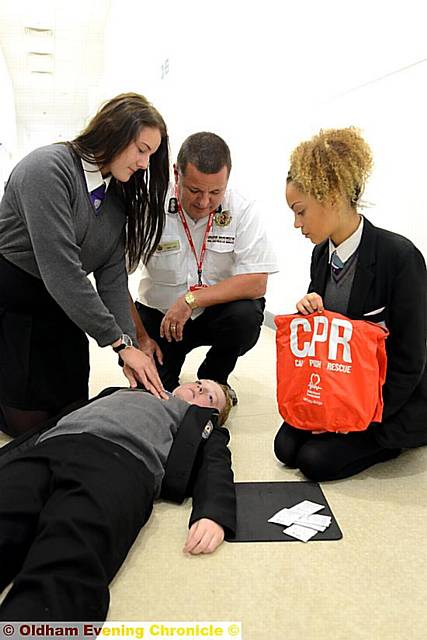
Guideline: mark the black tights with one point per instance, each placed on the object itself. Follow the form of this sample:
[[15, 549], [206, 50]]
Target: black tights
[[14, 422], [330, 456]]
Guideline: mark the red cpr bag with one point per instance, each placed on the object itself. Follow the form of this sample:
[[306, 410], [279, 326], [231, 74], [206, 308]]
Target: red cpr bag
[[330, 371]]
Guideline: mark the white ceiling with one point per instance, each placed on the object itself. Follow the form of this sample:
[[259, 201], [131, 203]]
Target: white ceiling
[[54, 104]]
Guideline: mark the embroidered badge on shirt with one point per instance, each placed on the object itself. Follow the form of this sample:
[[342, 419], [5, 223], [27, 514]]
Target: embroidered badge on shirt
[[223, 218], [173, 205], [172, 245], [207, 430], [221, 239]]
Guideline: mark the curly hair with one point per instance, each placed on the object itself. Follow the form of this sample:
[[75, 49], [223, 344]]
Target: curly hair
[[334, 163]]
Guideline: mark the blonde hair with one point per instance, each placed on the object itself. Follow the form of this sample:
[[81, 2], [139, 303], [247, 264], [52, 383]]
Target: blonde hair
[[334, 163], [223, 415]]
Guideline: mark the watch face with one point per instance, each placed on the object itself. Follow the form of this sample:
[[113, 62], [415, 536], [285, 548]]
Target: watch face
[[127, 340], [190, 299]]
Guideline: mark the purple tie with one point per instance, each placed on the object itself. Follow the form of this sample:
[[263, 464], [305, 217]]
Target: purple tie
[[97, 196]]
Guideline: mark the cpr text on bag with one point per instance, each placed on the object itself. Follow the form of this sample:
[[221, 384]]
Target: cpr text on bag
[[338, 332]]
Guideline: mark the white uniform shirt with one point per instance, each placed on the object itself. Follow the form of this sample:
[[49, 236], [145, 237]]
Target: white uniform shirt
[[239, 247], [93, 176], [346, 249]]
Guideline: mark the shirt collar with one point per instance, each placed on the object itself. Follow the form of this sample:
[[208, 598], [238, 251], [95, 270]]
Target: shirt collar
[[196, 224], [346, 249], [93, 176]]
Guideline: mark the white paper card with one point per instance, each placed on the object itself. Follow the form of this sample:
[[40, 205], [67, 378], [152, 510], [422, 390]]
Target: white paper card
[[284, 516], [315, 520], [306, 507], [289, 516], [299, 532], [315, 527]]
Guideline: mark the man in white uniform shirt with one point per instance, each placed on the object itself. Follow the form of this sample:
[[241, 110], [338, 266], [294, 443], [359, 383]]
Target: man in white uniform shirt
[[206, 281]]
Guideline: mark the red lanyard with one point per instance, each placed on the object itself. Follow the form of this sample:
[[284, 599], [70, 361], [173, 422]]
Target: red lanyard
[[199, 260]]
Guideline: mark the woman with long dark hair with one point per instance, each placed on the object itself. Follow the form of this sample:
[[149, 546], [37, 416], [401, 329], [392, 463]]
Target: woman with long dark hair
[[92, 205]]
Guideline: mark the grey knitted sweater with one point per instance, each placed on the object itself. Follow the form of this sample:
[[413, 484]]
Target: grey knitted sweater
[[132, 418], [49, 228]]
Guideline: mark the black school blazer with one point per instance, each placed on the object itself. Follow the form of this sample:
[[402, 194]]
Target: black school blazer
[[390, 285]]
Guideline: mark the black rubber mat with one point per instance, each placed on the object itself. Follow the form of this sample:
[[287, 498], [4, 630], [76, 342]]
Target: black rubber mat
[[259, 501]]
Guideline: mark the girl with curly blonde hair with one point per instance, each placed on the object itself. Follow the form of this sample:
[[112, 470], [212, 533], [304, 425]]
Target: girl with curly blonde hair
[[363, 272]]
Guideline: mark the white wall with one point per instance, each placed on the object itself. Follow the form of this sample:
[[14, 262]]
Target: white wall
[[7, 123], [267, 75]]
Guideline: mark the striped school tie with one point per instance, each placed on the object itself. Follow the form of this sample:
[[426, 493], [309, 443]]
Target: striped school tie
[[336, 265]]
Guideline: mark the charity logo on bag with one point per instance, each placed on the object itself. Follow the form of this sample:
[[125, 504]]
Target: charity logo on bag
[[314, 388], [330, 371]]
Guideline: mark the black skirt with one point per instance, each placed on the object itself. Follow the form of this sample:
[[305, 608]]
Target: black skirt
[[44, 356]]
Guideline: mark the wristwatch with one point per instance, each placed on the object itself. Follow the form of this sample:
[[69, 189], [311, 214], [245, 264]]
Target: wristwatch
[[126, 341], [191, 300]]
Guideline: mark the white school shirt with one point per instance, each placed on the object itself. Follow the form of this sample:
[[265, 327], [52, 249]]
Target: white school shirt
[[346, 249], [93, 176], [241, 246]]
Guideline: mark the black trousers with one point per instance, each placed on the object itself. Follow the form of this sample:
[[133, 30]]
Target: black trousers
[[329, 456], [44, 356], [70, 509], [231, 329]]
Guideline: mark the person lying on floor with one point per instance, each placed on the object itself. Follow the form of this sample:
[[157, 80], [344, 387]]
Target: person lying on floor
[[75, 497]]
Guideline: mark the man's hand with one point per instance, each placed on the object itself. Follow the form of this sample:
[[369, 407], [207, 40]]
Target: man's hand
[[204, 536], [309, 303], [146, 344], [140, 367], [172, 325], [150, 347]]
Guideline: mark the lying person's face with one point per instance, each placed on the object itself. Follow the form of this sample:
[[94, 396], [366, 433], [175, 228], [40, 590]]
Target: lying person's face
[[204, 393]]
